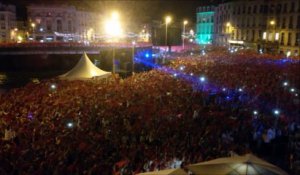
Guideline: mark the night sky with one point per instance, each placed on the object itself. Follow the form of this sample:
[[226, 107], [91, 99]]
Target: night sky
[[141, 11]]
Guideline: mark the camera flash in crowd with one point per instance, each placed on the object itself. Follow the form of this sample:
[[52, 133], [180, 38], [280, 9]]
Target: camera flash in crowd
[[292, 89], [202, 79], [255, 112], [276, 112], [70, 125], [53, 86]]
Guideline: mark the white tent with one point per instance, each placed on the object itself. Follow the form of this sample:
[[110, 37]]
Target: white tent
[[83, 70], [177, 171], [243, 165]]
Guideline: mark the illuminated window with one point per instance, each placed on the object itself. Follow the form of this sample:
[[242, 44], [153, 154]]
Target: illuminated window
[[264, 35], [276, 36]]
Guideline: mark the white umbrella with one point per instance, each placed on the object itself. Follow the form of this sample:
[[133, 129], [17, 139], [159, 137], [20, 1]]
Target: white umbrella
[[237, 165], [177, 171]]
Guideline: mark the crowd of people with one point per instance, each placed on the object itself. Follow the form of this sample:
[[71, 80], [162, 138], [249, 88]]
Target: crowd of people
[[196, 108]]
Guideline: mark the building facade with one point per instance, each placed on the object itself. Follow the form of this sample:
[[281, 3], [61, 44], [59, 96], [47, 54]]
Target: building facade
[[205, 25], [60, 23], [266, 25], [7, 22]]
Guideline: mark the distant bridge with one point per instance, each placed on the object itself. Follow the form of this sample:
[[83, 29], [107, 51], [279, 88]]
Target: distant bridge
[[64, 48]]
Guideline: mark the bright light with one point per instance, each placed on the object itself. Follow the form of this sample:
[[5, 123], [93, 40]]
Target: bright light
[[277, 36], [272, 22], [175, 75], [265, 35], [236, 41], [191, 74], [192, 32], [224, 89], [185, 22], [33, 25], [292, 90], [133, 43], [255, 112], [276, 112], [181, 67], [296, 95], [288, 53], [285, 83], [115, 15], [202, 79], [147, 55], [240, 90], [168, 19], [228, 24], [113, 25], [53, 86], [70, 125], [41, 29], [20, 39]]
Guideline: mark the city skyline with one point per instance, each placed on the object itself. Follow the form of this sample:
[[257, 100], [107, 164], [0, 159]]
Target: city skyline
[[141, 11]]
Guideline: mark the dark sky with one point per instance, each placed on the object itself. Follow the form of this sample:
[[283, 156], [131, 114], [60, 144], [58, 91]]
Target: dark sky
[[133, 10]]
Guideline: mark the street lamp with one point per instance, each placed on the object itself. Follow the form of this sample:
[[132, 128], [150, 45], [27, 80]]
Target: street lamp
[[168, 20], [272, 22], [33, 26], [185, 22], [33, 29], [133, 45]]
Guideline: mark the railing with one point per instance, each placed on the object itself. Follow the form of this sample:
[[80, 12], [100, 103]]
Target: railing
[[63, 48]]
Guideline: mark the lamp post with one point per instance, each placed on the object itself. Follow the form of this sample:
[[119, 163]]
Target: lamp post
[[33, 30], [185, 22], [114, 30], [168, 20], [274, 37], [133, 46], [272, 24]]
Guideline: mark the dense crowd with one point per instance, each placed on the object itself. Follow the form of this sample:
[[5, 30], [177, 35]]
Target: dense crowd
[[196, 108]]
